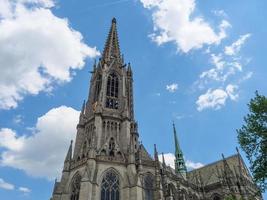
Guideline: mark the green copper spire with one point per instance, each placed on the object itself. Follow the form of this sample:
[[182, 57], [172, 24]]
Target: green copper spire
[[180, 167]]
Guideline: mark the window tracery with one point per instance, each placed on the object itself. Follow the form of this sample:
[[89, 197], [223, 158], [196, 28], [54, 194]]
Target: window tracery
[[75, 187], [110, 186], [112, 94], [148, 185]]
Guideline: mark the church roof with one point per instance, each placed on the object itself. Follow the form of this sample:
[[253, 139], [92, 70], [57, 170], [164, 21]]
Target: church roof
[[144, 154], [213, 172]]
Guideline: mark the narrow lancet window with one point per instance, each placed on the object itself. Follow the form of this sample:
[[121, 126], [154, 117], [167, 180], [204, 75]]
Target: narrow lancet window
[[110, 186], [97, 87], [112, 100]]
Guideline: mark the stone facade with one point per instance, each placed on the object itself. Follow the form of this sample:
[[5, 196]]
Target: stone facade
[[108, 162]]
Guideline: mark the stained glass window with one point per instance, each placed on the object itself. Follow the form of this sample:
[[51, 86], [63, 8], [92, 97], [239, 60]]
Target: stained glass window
[[110, 187]]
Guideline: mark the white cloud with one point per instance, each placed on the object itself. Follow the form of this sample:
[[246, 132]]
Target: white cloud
[[170, 158], [216, 98], [174, 22], [193, 165], [222, 69], [31, 154], [220, 13], [37, 50], [247, 76], [212, 99], [225, 65], [6, 186], [18, 119], [234, 48], [24, 189], [9, 140], [172, 87], [231, 91]]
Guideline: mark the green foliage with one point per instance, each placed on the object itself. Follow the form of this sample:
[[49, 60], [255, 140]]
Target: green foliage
[[229, 198], [252, 138]]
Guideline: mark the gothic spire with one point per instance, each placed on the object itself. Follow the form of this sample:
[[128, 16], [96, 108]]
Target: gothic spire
[[179, 159], [177, 146], [156, 156], [112, 48], [69, 154], [163, 160], [83, 107]]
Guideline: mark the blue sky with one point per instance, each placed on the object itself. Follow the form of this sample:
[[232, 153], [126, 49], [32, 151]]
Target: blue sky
[[195, 63]]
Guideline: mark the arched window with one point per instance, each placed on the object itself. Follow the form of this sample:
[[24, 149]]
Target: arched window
[[75, 187], [112, 92], [148, 185], [97, 87], [110, 186]]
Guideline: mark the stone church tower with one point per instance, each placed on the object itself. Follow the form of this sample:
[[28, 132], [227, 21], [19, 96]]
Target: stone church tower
[[108, 162]]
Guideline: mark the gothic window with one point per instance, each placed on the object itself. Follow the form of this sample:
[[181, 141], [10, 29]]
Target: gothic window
[[110, 186], [112, 100], [97, 87], [111, 147], [148, 186], [75, 187]]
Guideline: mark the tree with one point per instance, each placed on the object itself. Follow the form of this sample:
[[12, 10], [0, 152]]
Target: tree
[[252, 138]]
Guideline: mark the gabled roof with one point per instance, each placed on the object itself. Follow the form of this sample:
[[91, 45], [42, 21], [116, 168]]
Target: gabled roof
[[213, 172]]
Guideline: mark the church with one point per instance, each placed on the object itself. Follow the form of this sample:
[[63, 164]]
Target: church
[[107, 161]]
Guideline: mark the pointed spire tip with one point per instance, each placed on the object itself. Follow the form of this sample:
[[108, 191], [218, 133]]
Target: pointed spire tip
[[114, 20]]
